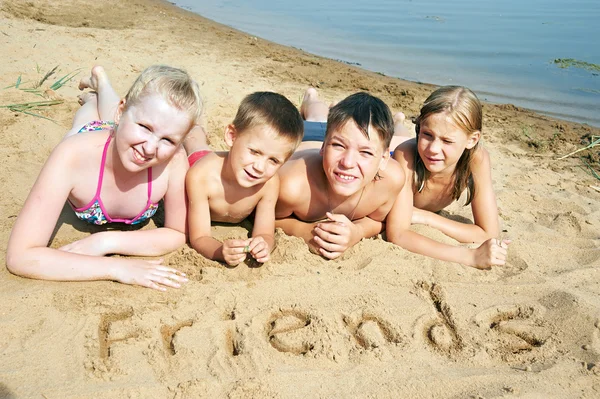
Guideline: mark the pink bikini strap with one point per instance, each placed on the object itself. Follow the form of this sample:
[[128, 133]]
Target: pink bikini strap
[[102, 163], [101, 177]]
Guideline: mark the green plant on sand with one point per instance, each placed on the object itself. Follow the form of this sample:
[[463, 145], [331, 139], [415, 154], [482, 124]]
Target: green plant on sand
[[30, 107]]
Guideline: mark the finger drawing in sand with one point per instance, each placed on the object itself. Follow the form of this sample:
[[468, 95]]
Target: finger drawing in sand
[[334, 196], [445, 159], [118, 161], [229, 186]]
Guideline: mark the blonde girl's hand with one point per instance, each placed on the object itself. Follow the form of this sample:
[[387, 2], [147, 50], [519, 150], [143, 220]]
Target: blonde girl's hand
[[234, 251], [259, 249], [150, 274], [492, 252]]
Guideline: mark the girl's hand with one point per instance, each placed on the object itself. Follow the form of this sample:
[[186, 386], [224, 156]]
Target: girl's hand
[[150, 274], [336, 236], [259, 249], [491, 253], [234, 251], [97, 244]]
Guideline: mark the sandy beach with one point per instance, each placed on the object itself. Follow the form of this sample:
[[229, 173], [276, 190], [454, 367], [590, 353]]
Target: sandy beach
[[379, 322]]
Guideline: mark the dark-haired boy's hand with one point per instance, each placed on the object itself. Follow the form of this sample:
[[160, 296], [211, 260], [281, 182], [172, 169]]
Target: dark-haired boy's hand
[[336, 236]]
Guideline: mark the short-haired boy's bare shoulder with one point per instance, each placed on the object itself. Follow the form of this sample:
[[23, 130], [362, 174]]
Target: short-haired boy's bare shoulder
[[206, 168]]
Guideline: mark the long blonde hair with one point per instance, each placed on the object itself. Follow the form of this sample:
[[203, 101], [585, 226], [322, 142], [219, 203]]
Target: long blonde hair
[[464, 108]]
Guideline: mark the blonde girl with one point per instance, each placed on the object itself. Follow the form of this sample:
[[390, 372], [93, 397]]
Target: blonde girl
[[444, 160], [114, 170]]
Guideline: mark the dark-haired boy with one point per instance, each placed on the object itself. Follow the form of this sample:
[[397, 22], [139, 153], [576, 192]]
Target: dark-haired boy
[[335, 196]]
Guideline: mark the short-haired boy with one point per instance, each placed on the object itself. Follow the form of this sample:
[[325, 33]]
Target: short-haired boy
[[227, 186]]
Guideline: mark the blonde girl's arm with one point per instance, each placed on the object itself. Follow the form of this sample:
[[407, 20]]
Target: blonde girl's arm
[[159, 241], [398, 231], [27, 254], [263, 232], [483, 205]]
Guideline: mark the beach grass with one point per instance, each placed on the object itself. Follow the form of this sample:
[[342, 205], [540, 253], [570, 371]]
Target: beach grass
[[38, 88]]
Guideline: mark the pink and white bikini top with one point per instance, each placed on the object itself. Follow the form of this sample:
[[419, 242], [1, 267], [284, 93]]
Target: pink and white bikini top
[[94, 211]]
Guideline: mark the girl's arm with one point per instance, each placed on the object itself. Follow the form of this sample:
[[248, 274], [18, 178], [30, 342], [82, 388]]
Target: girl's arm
[[398, 222], [263, 232], [151, 242], [483, 205], [27, 253]]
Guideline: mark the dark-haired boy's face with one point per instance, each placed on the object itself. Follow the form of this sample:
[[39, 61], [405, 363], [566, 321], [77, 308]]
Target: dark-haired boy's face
[[257, 153], [350, 159]]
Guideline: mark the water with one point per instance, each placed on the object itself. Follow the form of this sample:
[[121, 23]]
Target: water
[[504, 50]]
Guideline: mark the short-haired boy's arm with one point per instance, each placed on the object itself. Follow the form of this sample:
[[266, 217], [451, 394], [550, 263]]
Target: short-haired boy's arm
[[263, 232], [199, 215]]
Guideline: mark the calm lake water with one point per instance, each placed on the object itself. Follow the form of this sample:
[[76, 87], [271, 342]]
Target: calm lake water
[[503, 50]]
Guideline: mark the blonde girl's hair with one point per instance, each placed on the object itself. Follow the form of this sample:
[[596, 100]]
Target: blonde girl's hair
[[464, 108], [174, 85]]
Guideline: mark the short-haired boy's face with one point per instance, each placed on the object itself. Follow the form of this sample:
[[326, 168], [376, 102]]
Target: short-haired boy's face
[[257, 153], [350, 159]]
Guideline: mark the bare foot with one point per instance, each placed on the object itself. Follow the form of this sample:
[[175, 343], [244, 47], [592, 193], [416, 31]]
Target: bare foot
[[312, 108], [86, 97], [96, 80], [399, 127]]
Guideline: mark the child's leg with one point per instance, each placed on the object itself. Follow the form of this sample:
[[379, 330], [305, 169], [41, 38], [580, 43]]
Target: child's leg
[[401, 133], [87, 113], [108, 99], [195, 140], [312, 108]]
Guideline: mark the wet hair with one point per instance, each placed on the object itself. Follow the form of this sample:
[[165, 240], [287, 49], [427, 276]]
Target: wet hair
[[174, 85], [365, 110], [273, 110], [465, 111]]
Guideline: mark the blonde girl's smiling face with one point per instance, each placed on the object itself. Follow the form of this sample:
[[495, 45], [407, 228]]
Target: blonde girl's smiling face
[[351, 160], [149, 132], [441, 143], [256, 154]]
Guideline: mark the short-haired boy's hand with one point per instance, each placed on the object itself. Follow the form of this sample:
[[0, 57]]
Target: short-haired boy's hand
[[259, 249], [234, 251], [336, 236]]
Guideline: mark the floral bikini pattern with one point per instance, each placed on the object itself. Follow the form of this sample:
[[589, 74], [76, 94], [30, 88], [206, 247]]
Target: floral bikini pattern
[[94, 212]]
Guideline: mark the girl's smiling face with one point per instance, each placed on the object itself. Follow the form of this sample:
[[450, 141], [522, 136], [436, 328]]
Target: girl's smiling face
[[149, 132], [351, 160], [441, 143]]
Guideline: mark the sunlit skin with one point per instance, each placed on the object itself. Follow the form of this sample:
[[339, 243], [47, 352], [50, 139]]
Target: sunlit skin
[[148, 135], [229, 186], [338, 183], [440, 145]]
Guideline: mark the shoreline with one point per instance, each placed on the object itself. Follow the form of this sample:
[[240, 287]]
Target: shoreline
[[373, 323], [548, 96]]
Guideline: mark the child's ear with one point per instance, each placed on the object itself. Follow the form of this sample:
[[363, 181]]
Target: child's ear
[[473, 139], [120, 110], [384, 159], [230, 135]]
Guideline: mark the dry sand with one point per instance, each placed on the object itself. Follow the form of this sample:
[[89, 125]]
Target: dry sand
[[379, 322]]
